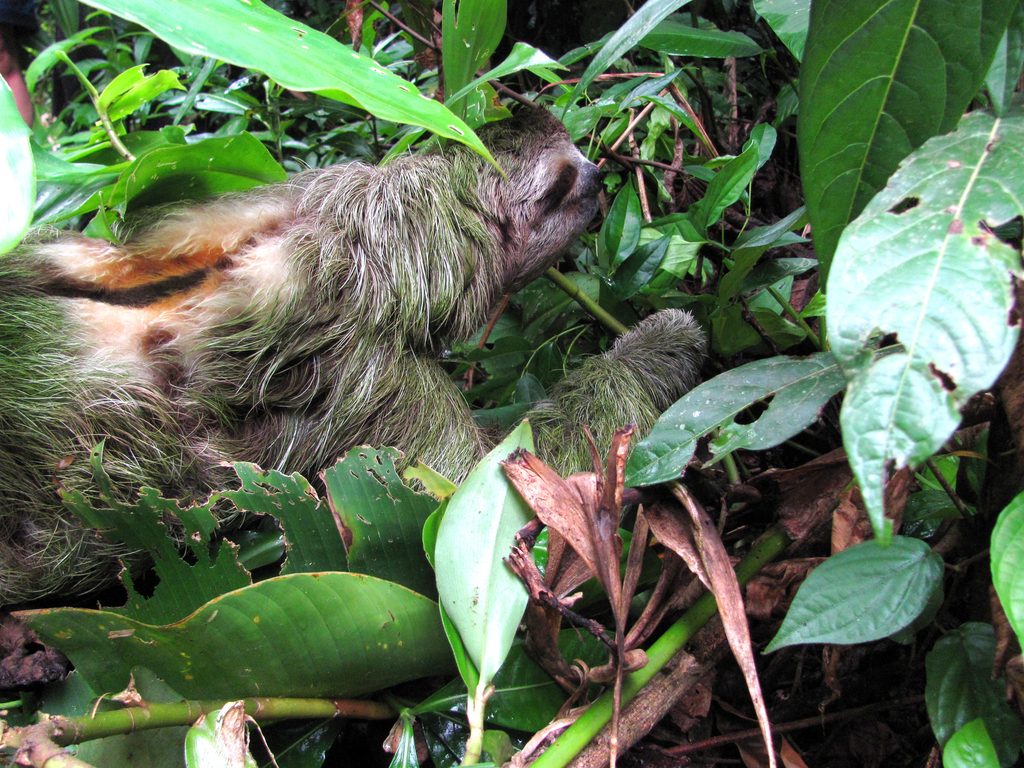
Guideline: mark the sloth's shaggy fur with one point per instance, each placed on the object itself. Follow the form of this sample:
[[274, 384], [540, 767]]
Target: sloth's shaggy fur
[[284, 326]]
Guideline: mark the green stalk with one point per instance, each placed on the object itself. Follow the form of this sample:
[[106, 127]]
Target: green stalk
[[585, 729], [574, 292], [795, 316], [94, 97], [75, 730]]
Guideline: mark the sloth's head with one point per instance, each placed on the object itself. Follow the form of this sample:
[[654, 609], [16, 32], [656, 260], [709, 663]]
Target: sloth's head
[[546, 198]]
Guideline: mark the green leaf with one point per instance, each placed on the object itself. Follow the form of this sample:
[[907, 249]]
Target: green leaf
[[877, 81], [47, 58], [728, 186], [797, 387], [305, 634], [522, 56], [209, 167], [381, 518], [861, 594], [311, 538], [921, 263], [620, 230], [133, 88], [789, 20], [1002, 77], [405, 752], [639, 268], [970, 747], [625, 37], [478, 591], [470, 31], [183, 586], [1007, 555], [959, 688], [249, 34], [16, 174], [679, 38], [219, 739]]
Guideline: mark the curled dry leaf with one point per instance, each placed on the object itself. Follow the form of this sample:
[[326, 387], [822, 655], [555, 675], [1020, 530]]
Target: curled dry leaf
[[770, 592], [695, 538]]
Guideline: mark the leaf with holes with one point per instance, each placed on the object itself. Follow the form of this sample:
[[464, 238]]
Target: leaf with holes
[[877, 81], [798, 389], [921, 263]]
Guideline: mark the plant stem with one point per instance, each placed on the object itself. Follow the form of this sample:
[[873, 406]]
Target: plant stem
[[585, 301], [588, 725], [74, 730], [94, 96], [795, 316]]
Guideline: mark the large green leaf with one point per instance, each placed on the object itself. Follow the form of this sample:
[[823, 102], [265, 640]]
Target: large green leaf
[[305, 634], [861, 594], [16, 173], [381, 518], [922, 263], [797, 389], [1001, 79], [877, 81], [252, 35], [960, 688], [1007, 556], [789, 20], [481, 595]]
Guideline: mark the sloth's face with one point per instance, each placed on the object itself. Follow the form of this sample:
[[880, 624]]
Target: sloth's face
[[548, 197]]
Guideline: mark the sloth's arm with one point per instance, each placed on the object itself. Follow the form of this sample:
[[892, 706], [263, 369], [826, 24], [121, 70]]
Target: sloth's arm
[[644, 372]]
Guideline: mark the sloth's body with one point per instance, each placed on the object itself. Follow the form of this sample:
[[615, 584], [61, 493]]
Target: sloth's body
[[284, 326]]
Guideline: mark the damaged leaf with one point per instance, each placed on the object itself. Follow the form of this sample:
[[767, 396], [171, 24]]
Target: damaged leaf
[[794, 389], [923, 265]]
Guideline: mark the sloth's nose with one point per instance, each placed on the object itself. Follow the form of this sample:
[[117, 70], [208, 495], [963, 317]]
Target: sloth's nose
[[590, 179]]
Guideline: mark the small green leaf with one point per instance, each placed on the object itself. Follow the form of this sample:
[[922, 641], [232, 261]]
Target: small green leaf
[[16, 174], [970, 747], [861, 594], [482, 596], [1007, 556], [133, 88], [1002, 77], [620, 231], [219, 739], [728, 186], [959, 688], [789, 20], [678, 38], [625, 37], [797, 387]]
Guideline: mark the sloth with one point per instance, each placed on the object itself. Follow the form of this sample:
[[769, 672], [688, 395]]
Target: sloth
[[286, 325]]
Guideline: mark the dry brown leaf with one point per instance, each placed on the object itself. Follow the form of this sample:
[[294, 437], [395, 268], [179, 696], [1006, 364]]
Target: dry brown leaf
[[770, 592], [717, 573], [693, 707], [789, 756], [850, 523]]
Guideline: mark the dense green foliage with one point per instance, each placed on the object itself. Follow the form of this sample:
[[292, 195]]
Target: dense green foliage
[[714, 126]]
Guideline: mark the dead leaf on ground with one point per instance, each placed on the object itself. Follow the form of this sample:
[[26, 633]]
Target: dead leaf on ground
[[769, 593]]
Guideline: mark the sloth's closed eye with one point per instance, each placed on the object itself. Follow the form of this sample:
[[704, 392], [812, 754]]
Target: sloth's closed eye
[[560, 188]]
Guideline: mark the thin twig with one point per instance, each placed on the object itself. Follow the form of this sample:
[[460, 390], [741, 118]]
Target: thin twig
[[950, 491], [403, 26]]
